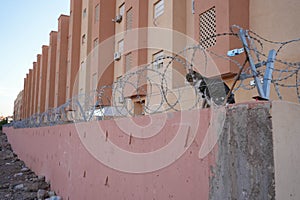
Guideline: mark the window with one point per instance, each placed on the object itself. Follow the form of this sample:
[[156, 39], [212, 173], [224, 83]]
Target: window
[[94, 82], [128, 62], [158, 60], [208, 28], [129, 16], [83, 39], [193, 6], [159, 8], [122, 9], [84, 13], [95, 43], [121, 46], [119, 78], [139, 107], [97, 13]]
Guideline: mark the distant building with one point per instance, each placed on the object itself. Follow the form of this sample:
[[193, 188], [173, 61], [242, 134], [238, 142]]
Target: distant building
[[18, 105]]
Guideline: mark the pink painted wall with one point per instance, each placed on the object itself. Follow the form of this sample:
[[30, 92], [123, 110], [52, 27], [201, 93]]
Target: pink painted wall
[[75, 173]]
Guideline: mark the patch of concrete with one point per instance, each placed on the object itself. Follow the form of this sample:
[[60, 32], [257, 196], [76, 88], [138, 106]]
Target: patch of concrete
[[245, 165]]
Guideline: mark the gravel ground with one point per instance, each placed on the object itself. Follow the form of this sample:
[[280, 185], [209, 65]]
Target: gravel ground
[[17, 182]]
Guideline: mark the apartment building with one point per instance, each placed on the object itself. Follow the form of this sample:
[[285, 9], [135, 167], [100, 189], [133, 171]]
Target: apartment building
[[23, 100], [103, 42], [103, 30], [38, 82], [51, 65], [36, 79], [131, 22], [43, 80], [30, 92], [85, 46], [61, 60], [96, 60], [25, 97], [73, 48], [18, 107]]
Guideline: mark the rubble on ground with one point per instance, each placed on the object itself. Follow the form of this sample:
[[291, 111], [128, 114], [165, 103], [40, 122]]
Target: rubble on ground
[[18, 182]]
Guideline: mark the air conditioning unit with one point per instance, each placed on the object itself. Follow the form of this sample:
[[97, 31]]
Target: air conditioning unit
[[117, 56], [118, 18]]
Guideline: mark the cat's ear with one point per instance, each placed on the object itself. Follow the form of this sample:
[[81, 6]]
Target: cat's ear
[[189, 78], [197, 75], [190, 71]]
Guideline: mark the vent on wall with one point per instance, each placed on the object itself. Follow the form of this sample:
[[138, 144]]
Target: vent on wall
[[208, 28]]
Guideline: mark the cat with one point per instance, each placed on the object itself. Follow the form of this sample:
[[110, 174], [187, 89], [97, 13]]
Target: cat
[[212, 90]]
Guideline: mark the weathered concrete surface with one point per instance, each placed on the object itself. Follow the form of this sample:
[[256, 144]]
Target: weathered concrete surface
[[245, 167], [240, 166], [286, 139]]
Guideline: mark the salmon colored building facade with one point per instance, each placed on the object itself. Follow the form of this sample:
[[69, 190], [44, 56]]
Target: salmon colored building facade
[[98, 44], [61, 61], [73, 48], [37, 85], [43, 80], [51, 65]]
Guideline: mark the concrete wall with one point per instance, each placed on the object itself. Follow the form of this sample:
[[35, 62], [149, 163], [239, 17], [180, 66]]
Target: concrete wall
[[75, 173], [245, 164], [286, 137], [255, 147]]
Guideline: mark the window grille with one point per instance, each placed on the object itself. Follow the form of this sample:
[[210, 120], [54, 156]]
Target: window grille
[[159, 8], [208, 28], [129, 19], [128, 62]]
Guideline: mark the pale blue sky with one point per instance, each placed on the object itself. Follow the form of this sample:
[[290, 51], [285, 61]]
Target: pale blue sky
[[25, 27]]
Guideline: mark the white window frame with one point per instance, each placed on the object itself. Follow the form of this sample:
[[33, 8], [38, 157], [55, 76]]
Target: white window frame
[[121, 46], [122, 9], [159, 63], [128, 62], [95, 42], [158, 8], [129, 19], [84, 13], [83, 39], [97, 13]]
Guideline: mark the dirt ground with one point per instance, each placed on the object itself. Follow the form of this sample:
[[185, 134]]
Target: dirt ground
[[17, 182]]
